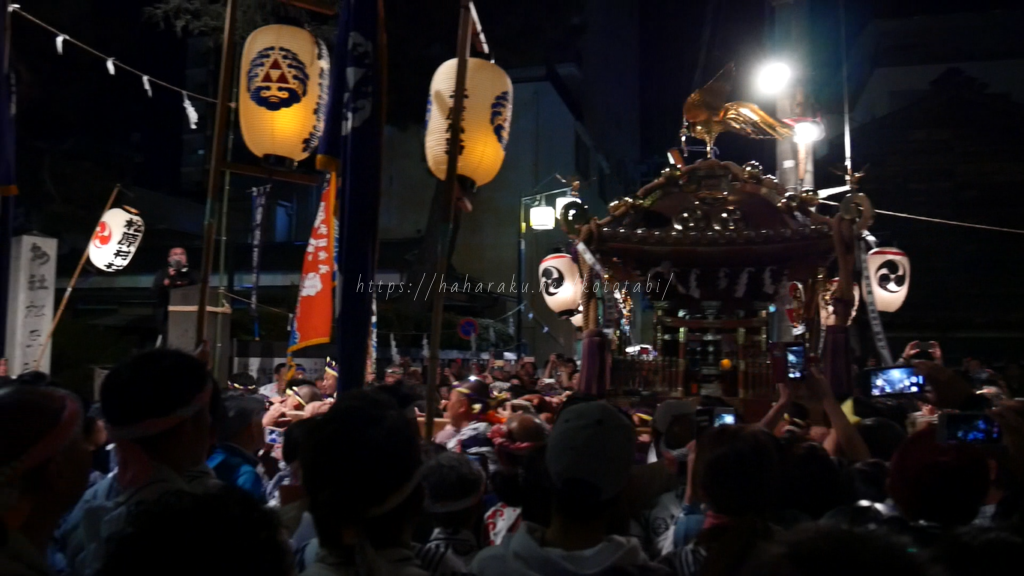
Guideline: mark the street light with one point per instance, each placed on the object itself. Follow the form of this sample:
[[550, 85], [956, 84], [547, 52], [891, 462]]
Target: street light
[[772, 78], [542, 217], [806, 130]]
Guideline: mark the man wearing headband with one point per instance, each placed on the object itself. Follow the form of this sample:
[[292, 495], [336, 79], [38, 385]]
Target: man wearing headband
[[158, 412], [364, 506], [44, 469], [276, 388], [243, 382], [302, 395], [454, 500], [467, 412], [329, 385]]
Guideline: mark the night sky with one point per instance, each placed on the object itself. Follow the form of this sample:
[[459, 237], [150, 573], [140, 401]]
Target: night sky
[[80, 130]]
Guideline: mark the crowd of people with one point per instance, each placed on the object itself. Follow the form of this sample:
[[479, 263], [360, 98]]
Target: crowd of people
[[526, 474]]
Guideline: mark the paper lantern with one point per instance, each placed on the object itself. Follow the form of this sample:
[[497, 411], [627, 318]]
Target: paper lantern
[[828, 316], [795, 305], [486, 118], [116, 239], [285, 76], [890, 277], [542, 217], [561, 284]]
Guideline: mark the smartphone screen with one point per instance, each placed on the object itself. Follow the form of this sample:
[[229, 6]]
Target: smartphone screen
[[273, 435], [725, 417], [969, 428], [895, 380], [795, 361]]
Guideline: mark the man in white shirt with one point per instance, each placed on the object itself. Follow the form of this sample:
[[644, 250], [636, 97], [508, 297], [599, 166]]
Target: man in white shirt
[[276, 388]]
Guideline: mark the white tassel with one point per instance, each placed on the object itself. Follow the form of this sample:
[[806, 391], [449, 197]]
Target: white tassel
[[60, 44], [145, 84], [110, 66], [193, 116]]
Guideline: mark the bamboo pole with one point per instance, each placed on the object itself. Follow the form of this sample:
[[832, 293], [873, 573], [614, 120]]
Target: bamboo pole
[[217, 159], [450, 187], [71, 284]]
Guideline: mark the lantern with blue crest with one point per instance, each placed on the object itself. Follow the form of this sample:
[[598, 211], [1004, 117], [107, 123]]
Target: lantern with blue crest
[[283, 89]]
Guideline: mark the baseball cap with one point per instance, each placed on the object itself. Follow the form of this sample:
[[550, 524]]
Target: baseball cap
[[668, 410], [592, 442]]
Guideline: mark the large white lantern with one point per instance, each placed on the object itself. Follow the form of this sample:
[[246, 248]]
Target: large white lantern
[[828, 315], [115, 240], [542, 217], [561, 284], [890, 277], [285, 76], [486, 120]]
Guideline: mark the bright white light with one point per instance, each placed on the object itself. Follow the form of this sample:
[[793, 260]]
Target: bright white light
[[772, 78], [561, 202], [805, 132], [542, 217]]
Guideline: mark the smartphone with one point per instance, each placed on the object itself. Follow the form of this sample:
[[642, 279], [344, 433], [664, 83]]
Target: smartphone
[[795, 365], [968, 428], [273, 435], [725, 417], [894, 381]]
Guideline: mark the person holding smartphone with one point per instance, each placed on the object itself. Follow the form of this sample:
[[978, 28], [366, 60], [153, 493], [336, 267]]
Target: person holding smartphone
[[932, 347]]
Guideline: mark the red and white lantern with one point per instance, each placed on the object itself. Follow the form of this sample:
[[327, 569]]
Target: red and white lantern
[[116, 239]]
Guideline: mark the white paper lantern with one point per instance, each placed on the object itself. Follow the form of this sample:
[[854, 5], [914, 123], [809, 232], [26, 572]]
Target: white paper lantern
[[115, 240], [890, 277], [561, 284], [283, 90], [542, 217], [486, 120], [828, 316]]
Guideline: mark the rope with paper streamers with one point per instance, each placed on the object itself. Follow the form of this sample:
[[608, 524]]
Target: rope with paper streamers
[[939, 220], [113, 64]]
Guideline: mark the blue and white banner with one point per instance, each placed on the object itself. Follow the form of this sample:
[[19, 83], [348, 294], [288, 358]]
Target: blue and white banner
[[259, 203]]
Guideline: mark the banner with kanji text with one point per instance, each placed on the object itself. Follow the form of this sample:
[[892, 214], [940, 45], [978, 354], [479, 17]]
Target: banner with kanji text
[[314, 312]]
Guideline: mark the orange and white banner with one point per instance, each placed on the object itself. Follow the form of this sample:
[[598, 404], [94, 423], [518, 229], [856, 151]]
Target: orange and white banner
[[314, 313]]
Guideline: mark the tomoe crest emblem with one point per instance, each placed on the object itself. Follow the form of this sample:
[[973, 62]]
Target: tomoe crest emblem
[[552, 279], [277, 78], [891, 276]]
